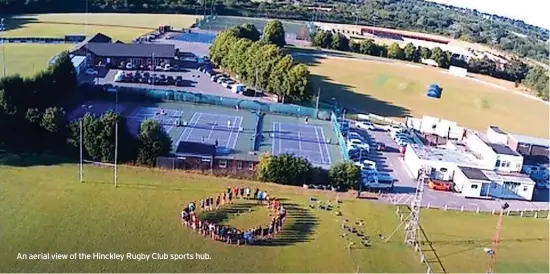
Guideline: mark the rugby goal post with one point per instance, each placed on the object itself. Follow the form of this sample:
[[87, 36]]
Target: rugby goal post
[[89, 162], [458, 71]]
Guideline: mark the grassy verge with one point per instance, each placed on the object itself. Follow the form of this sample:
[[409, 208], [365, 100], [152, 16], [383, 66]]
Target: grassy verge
[[46, 209]]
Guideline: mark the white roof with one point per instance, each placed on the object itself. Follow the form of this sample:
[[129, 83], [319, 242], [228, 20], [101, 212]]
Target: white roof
[[508, 177], [531, 140], [78, 60], [443, 155]]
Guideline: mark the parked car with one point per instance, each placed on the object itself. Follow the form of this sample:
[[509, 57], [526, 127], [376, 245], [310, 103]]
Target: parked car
[[215, 77], [380, 146], [170, 80], [91, 71], [227, 84], [222, 79], [356, 135], [358, 143], [365, 125], [130, 66]]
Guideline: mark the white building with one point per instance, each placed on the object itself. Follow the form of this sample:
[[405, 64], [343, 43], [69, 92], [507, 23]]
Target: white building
[[496, 156], [79, 64], [473, 182], [443, 161], [458, 163]]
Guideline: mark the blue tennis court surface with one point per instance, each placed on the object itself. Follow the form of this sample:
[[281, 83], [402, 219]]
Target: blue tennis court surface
[[301, 140], [166, 117], [209, 128], [196, 37]]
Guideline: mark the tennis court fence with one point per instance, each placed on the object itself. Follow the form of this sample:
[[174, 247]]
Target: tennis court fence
[[257, 132], [161, 95], [341, 141]]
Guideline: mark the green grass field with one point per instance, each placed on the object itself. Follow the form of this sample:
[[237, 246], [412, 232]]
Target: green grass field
[[397, 89], [26, 59], [46, 209]]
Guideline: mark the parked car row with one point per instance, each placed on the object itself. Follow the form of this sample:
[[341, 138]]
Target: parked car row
[[226, 81], [401, 136], [149, 78], [160, 67]]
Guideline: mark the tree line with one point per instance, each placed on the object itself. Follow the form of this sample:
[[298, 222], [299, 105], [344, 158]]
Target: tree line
[[296, 171], [417, 15], [515, 70], [32, 120], [260, 61]]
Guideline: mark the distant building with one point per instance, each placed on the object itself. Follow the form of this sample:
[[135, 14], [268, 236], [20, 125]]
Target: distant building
[[206, 157], [101, 49]]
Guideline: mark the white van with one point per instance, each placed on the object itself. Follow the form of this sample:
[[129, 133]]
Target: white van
[[238, 88]]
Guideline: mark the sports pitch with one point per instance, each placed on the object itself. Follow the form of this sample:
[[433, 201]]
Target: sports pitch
[[233, 129], [25, 59], [397, 89], [45, 209]]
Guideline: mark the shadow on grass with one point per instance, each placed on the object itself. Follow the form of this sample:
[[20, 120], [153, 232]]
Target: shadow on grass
[[343, 95], [28, 159], [298, 227]]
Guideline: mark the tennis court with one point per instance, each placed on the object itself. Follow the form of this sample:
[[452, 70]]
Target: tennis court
[[209, 128], [196, 37], [166, 117], [305, 141]]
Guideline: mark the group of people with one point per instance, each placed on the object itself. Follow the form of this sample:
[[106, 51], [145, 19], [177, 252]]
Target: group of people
[[228, 234]]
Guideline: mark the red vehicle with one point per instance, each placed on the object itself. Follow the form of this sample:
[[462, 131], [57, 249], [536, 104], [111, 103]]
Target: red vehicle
[[440, 185]]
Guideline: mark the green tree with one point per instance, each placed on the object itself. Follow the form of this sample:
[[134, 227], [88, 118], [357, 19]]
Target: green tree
[[248, 31], [53, 120], [425, 53], [395, 52], [278, 79], [354, 46], [339, 42], [299, 84], [274, 33], [284, 169], [153, 142], [368, 47], [317, 38], [409, 51], [344, 175]]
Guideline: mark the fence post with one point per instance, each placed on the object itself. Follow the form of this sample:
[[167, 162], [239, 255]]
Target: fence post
[[536, 214], [521, 213], [445, 207], [461, 208], [429, 204], [493, 212], [477, 210]]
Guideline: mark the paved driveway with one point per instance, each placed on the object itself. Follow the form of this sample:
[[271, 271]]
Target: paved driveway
[[405, 187], [196, 81]]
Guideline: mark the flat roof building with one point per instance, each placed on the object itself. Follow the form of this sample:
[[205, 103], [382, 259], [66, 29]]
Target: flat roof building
[[475, 183]]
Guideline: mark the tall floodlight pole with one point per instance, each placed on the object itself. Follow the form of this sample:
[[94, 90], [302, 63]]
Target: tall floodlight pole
[[86, 24], [3, 48], [81, 150], [496, 241], [317, 102], [373, 25], [116, 153]]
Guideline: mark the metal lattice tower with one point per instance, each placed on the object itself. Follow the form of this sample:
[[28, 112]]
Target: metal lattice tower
[[411, 226]]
